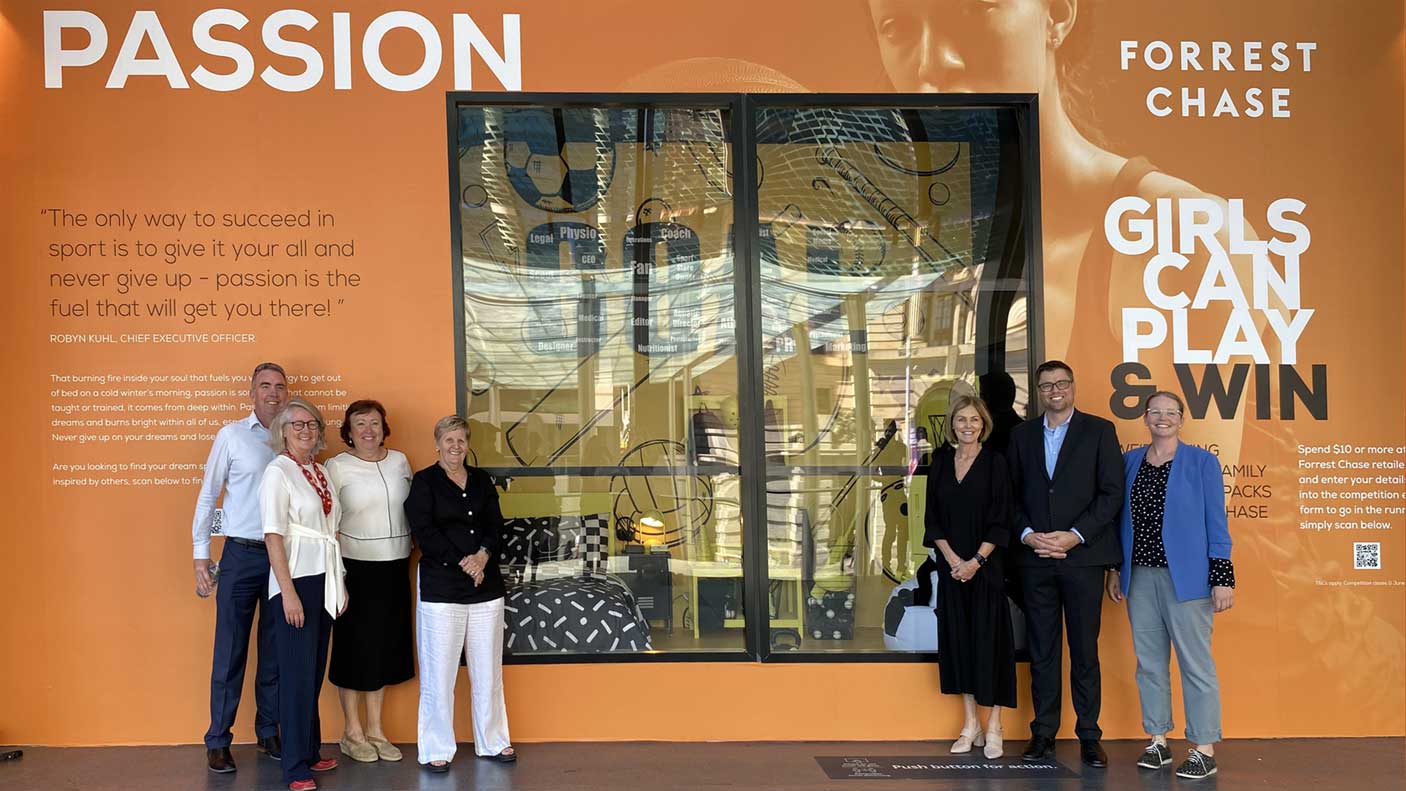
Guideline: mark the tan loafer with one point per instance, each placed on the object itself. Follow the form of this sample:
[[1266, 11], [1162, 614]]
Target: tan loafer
[[358, 751], [387, 751]]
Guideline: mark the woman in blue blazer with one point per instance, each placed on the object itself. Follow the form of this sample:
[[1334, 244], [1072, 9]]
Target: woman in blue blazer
[[1176, 574]]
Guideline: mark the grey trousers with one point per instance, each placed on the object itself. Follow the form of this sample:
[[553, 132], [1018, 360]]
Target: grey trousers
[[1159, 622]]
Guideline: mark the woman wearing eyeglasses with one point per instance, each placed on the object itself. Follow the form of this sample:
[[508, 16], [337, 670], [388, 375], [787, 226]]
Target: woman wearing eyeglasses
[[1176, 575], [300, 510]]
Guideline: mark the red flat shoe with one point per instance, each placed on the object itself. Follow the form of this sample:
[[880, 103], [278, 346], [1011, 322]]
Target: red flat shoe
[[325, 765], [303, 785]]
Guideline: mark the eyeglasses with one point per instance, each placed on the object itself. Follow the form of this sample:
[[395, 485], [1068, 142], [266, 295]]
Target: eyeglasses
[[1061, 385], [304, 425], [1160, 413]]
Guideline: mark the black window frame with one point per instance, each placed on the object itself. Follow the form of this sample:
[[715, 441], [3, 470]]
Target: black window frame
[[742, 119]]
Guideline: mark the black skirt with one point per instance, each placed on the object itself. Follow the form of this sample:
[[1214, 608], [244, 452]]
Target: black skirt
[[373, 641]]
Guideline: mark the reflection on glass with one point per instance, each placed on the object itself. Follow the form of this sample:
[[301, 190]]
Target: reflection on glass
[[601, 372], [599, 364], [892, 280]]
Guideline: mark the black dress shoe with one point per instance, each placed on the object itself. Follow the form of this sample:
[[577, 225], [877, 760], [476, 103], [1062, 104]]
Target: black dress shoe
[[272, 746], [1040, 748], [1092, 754], [220, 760]]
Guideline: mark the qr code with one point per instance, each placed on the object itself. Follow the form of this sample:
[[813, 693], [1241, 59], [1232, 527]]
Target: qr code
[[1366, 555], [217, 523]]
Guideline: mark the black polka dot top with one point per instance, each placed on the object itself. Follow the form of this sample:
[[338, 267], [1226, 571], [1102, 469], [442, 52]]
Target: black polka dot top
[[1148, 502]]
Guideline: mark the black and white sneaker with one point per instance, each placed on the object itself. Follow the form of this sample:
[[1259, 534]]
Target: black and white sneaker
[[1196, 766], [1155, 756]]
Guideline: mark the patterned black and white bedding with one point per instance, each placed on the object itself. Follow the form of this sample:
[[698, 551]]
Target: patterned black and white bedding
[[592, 613], [559, 597]]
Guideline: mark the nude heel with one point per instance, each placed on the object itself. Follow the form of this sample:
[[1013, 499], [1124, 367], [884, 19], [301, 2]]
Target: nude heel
[[965, 741], [995, 745]]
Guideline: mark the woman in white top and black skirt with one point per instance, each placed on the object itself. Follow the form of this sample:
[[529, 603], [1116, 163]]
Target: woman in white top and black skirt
[[306, 591], [374, 641]]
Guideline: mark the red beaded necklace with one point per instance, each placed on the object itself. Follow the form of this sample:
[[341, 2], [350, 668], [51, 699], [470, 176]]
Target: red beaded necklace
[[323, 490]]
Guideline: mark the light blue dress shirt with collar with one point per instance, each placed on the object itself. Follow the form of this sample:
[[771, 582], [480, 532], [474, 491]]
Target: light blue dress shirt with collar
[[1054, 440], [236, 465]]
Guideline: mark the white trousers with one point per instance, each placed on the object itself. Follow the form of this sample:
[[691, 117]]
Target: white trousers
[[443, 632]]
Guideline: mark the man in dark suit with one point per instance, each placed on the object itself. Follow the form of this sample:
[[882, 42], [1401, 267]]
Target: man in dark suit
[[1067, 471]]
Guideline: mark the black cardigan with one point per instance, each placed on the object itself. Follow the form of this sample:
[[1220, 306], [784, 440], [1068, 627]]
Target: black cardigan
[[449, 523]]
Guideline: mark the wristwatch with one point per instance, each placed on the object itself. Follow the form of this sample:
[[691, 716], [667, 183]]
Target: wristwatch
[[980, 559]]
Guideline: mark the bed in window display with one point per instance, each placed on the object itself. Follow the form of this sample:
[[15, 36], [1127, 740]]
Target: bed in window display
[[561, 599]]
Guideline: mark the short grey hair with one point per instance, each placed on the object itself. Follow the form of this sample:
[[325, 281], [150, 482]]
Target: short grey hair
[[281, 422], [450, 423], [261, 367]]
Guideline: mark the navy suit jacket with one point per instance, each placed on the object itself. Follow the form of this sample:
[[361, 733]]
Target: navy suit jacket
[[1084, 494], [1193, 522]]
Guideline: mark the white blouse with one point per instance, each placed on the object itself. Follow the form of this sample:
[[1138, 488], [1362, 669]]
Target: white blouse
[[372, 495], [291, 508]]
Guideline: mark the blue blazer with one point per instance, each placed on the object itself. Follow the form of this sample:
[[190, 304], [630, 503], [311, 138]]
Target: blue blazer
[[1193, 523]]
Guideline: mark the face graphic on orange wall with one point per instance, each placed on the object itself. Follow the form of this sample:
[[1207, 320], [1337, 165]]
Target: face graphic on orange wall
[[968, 46]]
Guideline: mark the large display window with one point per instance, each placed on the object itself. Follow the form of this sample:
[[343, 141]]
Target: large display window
[[705, 344]]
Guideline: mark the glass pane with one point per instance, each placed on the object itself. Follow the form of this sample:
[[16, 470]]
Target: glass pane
[[892, 280], [601, 372]]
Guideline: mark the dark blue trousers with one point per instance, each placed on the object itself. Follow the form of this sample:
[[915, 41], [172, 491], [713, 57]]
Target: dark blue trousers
[[242, 588], [1060, 597], [302, 663]]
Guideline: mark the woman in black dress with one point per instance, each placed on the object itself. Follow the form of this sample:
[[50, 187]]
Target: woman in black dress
[[967, 521]]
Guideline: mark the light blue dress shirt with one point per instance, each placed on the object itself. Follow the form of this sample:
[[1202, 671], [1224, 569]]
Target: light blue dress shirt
[[236, 465], [1054, 440]]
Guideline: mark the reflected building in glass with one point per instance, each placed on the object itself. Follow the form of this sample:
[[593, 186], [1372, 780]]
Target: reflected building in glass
[[603, 382]]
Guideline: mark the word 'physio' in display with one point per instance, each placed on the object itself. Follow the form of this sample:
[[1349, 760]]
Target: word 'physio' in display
[[145, 32]]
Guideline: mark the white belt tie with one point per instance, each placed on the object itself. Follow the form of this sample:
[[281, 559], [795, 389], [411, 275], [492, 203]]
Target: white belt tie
[[334, 589]]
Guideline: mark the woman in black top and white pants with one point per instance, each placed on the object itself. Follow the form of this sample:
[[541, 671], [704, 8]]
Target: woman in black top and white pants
[[455, 520]]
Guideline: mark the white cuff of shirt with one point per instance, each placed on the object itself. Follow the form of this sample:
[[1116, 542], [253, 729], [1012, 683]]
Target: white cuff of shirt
[[1080, 535]]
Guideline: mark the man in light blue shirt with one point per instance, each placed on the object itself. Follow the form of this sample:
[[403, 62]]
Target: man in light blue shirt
[[1054, 440], [1067, 473], [236, 467]]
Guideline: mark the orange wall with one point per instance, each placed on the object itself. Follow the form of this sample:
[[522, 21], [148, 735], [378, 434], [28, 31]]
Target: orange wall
[[103, 642]]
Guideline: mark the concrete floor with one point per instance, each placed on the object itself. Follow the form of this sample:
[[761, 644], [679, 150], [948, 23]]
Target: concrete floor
[[1322, 764]]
